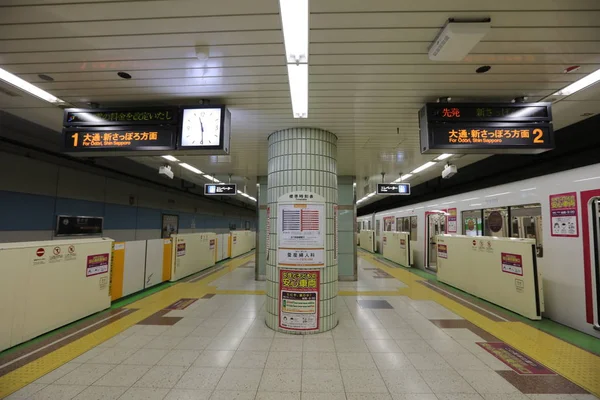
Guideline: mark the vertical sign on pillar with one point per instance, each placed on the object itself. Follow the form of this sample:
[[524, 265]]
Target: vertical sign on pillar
[[335, 232], [301, 231], [268, 231], [299, 299]]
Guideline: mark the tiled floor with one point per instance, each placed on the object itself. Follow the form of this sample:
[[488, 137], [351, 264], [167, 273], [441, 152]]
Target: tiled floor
[[384, 348]]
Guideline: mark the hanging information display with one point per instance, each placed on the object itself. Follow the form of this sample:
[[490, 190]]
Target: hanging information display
[[299, 299], [473, 128], [301, 234], [564, 214]]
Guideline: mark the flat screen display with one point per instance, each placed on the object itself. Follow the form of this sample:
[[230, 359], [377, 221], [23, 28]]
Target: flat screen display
[[201, 127]]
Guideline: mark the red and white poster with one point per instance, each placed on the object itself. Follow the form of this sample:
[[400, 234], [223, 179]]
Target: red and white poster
[[212, 244], [563, 215], [442, 251], [512, 264], [299, 299], [301, 234], [96, 264], [452, 221]]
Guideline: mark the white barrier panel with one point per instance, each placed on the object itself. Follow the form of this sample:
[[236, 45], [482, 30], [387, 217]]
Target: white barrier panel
[[222, 245], [501, 270], [49, 284], [192, 252], [396, 247], [135, 263], [367, 240], [241, 242], [155, 249]]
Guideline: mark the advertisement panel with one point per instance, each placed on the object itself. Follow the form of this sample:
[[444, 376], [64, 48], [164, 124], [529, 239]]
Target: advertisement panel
[[301, 234], [563, 215], [299, 299]]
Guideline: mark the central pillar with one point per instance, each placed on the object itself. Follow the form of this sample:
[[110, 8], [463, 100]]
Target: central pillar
[[302, 253]]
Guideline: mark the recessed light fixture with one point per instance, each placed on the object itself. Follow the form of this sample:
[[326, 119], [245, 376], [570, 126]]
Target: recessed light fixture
[[124, 75], [483, 69], [28, 87], [170, 158], [46, 78]]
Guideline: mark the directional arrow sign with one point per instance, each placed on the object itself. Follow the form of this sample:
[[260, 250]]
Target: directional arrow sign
[[220, 189]]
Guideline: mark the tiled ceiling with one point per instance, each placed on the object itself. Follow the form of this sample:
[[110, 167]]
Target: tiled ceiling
[[369, 69]]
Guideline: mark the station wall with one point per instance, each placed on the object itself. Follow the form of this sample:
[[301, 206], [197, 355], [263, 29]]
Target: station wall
[[34, 192]]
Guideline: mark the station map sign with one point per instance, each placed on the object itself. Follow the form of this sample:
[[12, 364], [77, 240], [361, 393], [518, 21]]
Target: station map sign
[[519, 128], [393, 188], [221, 189], [98, 139]]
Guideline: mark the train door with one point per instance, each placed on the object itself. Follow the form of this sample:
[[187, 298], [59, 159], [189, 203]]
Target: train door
[[435, 224], [377, 234], [595, 250]]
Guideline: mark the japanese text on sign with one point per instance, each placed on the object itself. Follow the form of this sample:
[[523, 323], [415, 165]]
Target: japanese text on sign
[[97, 117], [494, 136], [112, 139], [298, 279]]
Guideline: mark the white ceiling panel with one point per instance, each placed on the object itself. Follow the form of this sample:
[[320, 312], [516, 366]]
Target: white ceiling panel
[[369, 69]]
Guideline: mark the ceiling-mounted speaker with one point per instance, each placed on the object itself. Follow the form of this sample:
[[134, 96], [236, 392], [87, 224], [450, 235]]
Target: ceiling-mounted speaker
[[457, 39]]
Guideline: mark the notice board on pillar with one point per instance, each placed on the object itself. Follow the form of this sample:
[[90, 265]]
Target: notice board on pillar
[[301, 230], [299, 299]]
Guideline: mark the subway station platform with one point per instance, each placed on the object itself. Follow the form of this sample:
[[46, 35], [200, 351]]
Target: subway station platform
[[400, 336]]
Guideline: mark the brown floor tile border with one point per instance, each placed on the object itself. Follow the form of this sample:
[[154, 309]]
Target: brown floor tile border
[[208, 296], [203, 274], [464, 324], [49, 341], [467, 303], [541, 384], [158, 318]]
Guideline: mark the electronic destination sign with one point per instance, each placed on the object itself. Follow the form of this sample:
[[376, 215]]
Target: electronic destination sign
[[518, 128], [97, 139], [120, 116]]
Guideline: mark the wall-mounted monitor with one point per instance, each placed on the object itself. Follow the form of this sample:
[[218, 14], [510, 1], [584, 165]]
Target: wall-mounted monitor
[[205, 127]]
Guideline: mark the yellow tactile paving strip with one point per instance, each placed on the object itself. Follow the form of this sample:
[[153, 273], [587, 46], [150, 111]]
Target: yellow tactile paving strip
[[147, 306], [575, 364]]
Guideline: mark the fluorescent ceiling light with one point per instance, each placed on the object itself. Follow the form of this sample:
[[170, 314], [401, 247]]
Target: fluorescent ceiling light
[[587, 179], [580, 84], [371, 194], [28, 87], [472, 198], [443, 157], [473, 205], [193, 169], [449, 202], [239, 192], [210, 178], [170, 158], [528, 189], [423, 167], [497, 194], [403, 178], [294, 21], [298, 77]]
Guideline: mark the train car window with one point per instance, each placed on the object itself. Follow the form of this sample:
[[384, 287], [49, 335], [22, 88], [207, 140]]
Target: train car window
[[388, 223], [413, 227], [406, 224], [472, 223], [496, 222], [377, 227], [526, 223], [399, 224]]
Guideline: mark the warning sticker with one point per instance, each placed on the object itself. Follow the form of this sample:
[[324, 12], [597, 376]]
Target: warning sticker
[[512, 264], [180, 249], [442, 251], [96, 264]]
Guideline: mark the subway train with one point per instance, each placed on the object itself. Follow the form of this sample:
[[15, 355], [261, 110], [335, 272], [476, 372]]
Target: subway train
[[560, 211]]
